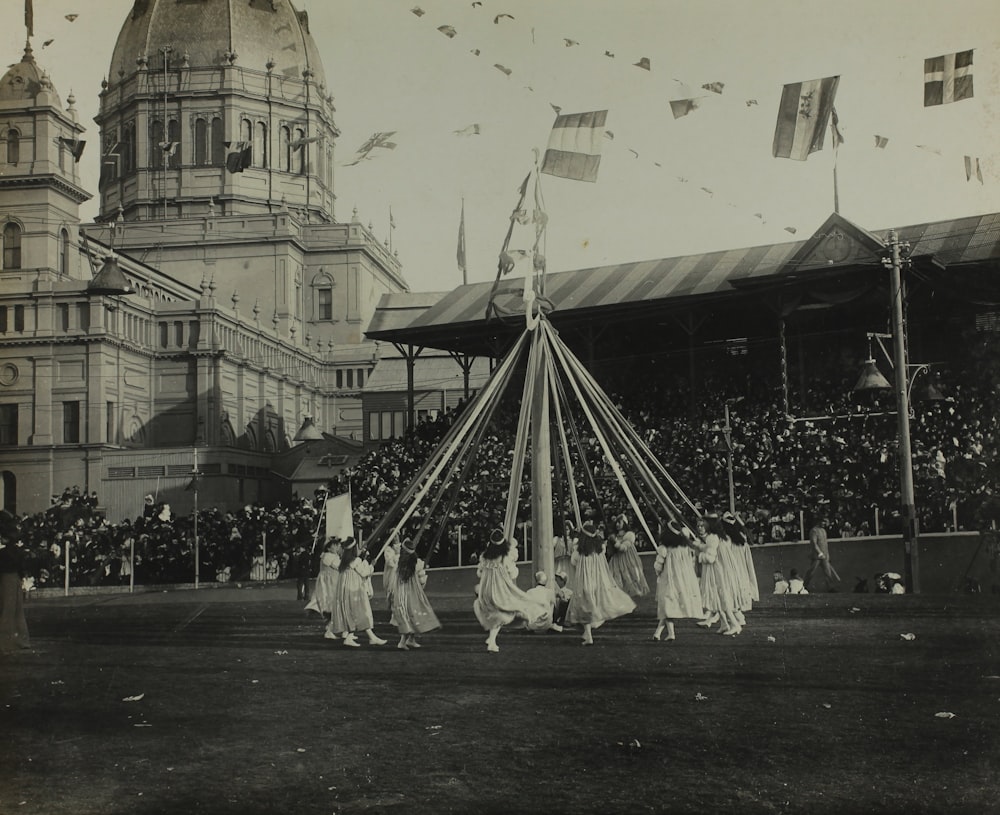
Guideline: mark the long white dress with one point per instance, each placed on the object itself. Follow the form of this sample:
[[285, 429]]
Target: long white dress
[[626, 566], [678, 595], [596, 596], [352, 610], [325, 592], [411, 610], [391, 556], [500, 601]]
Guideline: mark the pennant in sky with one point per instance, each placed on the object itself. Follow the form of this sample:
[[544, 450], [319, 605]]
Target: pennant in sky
[[376, 140], [460, 253], [471, 130], [47, 43], [418, 11], [574, 148], [609, 54], [706, 189], [499, 17], [838, 137], [881, 141], [447, 30], [930, 149], [504, 263], [475, 52], [609, 134], [29, 17], [802, 117], [947, 78], [791, 229], [634, 152], [299, 142], [570, 43], [682, 107], [503, 68], [240, 157], [751, 102], [75, 147], [714, 87], [972, 168], [169, 148], [642, 63], [556, 108]]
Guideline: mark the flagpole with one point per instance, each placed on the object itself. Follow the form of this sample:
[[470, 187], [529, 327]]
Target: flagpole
[[835, 137]]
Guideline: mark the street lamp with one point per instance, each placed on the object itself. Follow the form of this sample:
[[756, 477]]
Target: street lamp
[[902, 384]]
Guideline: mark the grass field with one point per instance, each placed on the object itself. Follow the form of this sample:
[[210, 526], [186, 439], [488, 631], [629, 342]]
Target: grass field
[[246, 709]]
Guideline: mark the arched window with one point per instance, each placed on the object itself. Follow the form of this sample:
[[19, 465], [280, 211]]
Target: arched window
[[200, 142], [155, 137], [299, 165], [260, 145], [13, 146], [64, 252], [12, 246], [218, 148], [286, 149]]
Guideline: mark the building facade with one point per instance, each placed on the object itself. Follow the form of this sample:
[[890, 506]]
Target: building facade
[[243, 301]]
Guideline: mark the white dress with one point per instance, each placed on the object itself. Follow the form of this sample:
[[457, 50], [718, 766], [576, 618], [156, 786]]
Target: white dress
[[325, 592], [596, 596], [678, 595], [500, 601]]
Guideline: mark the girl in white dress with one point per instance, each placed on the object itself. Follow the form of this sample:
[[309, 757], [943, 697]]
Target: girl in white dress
[[352, 608], [626, 567], [500, 601], [678, 595], [562, 552], [326, 583], [391, 557], [716, 588], [742, 565], [596, 596], [411, 610]]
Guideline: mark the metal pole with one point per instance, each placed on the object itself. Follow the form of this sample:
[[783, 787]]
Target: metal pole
[[131, 563], [729, 462], [263, 538], [196, 558], [911, 572]]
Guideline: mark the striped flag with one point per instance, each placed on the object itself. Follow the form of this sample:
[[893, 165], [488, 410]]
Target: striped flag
[[881, 141], [947, 78], [574, 148], [803, 116]]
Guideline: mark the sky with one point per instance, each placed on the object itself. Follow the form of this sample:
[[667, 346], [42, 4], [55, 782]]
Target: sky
[[666, 186]]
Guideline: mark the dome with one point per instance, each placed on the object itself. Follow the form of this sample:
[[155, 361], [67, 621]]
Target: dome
[[209, 32], [25, 80]]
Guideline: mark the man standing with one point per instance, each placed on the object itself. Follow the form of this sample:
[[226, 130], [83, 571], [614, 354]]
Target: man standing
[[821, 555]]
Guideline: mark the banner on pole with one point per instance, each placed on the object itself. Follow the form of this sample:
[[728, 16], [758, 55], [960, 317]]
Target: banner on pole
[[339, 517]]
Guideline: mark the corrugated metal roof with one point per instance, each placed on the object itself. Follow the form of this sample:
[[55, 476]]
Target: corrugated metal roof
[[957, 241]]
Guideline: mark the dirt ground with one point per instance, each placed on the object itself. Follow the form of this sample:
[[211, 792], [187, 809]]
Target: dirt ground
[[230, 701]]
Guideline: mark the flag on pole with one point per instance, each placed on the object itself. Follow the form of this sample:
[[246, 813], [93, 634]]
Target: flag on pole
[[460, 254], [75, 147], [339, 517], [947, 78], [838, 137], [29, 17], [574, 149], [802, 117], [240, 157], [972, 168]]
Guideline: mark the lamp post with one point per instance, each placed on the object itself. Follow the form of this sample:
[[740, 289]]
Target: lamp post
[[727, 447], [911, 571], [195, 475]]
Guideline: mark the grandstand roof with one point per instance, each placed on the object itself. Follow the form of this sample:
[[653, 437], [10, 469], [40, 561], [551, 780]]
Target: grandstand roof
[[457, 320]]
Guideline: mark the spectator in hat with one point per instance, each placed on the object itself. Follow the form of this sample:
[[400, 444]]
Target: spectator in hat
[[499, 601], [780, 584], [820, 556], [563, 596], [795, 583], [543, 595], [596, 596], [412, 613]]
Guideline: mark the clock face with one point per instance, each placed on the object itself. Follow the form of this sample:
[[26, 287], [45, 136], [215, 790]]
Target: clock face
[[836, 247]]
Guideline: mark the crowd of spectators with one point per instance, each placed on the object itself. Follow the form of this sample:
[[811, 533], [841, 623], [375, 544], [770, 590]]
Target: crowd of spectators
[[832, 453]]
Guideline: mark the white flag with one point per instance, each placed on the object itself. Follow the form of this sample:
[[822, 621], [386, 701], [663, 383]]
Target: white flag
[[339, 518]]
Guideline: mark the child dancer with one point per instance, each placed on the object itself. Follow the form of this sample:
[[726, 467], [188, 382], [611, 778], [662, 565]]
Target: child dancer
[[596, 597], [500, 601], [411, 610], [677, 592], [352, 609], [626, 567], [391, 557], [716, 588], [326, 583], [742, 565]]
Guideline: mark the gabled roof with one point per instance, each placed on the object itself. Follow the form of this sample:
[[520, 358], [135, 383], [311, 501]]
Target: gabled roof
[[457, 319]]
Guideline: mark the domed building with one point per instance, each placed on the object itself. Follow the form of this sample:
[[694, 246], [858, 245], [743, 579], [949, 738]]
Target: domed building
[[216, 302]]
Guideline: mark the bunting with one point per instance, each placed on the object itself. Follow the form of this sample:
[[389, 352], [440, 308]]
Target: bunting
[[947, 78], [972, 168]]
